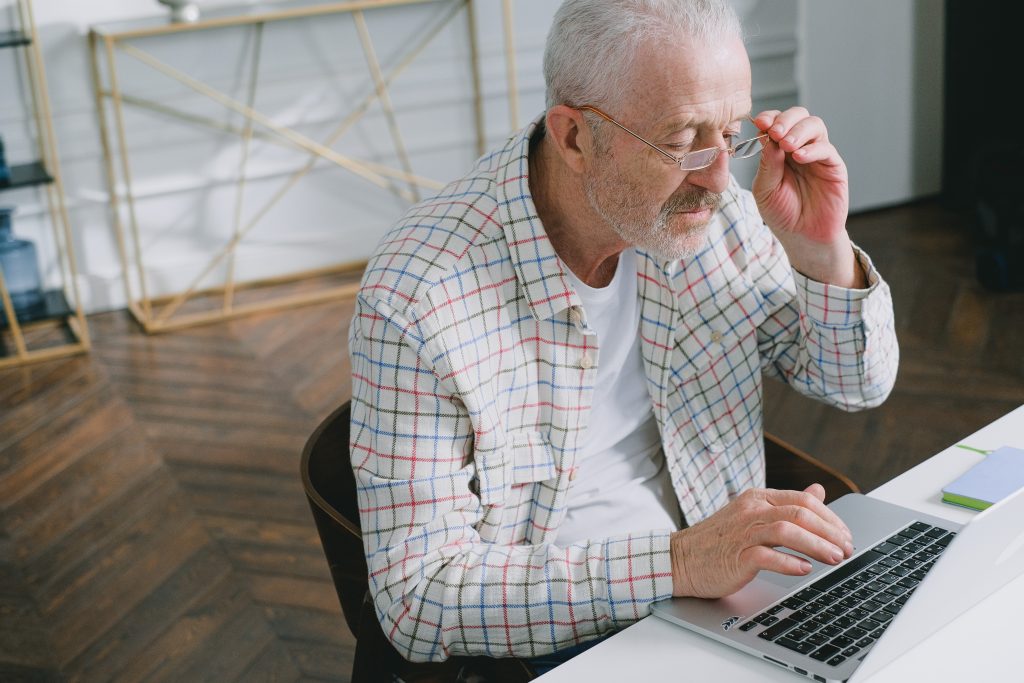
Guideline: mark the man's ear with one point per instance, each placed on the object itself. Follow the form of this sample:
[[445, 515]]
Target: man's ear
[[571, 136]]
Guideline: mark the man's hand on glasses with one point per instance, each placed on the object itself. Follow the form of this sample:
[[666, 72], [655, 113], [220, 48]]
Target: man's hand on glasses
[[802, 192]]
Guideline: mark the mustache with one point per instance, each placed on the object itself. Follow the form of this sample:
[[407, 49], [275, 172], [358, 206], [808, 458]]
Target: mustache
[[694, 201]]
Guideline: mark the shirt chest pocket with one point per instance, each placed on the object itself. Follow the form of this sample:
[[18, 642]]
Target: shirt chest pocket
[[525, 459], [716, 368]]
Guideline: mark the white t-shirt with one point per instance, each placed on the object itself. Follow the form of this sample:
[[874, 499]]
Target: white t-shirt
[[622, 482]]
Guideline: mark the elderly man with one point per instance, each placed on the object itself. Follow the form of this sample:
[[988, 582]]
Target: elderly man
[[557, 362]]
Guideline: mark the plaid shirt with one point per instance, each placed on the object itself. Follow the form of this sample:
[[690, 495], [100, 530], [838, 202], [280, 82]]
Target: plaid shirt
[[473, 371]]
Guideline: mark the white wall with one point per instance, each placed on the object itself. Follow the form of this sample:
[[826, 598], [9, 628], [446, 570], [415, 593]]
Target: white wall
[[313, 71], [872, 69]]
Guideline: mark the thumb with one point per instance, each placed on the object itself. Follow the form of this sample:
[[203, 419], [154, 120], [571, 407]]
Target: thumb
[[770, 169], [816, 490]]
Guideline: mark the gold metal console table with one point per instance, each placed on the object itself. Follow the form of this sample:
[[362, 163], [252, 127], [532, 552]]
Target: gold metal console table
[[209, 304]]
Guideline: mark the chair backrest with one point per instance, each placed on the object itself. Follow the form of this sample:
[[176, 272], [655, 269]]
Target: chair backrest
[[331, 491], [788, 467]]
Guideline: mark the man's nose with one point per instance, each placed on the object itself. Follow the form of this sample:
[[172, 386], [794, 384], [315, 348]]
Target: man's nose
[[714, 178]]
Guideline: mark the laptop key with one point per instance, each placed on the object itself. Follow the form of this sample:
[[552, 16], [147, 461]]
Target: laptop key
[[793, 602], [749, 625], [897, 539], [776, 630], [871, 625], [851, 651], [871, 606], [842, 641], [877, 633], [800, 616], [921, 526], [856, 633], [798, 634], [882, 616], [936, 532], [846, 570], [859, 614], [844, 622], [831, 631], [945, 540], [807, 594], [825, 652], [796, 646], [817, 639], [775, 610], [865, 641], [837, 660], [885, 548]]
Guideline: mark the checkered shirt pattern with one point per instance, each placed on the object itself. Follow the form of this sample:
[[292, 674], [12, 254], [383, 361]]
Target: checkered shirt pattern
[[473, 370]]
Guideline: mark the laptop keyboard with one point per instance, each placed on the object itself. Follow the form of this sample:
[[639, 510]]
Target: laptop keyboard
[[846, 611]]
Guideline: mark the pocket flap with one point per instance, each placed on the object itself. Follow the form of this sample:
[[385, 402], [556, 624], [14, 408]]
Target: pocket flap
[[526, 458]]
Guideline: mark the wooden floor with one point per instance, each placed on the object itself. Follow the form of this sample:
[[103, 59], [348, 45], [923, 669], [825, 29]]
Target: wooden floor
[[152, 524]]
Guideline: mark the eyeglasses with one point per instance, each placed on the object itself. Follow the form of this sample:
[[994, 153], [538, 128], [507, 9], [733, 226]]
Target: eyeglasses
[[697, 159]]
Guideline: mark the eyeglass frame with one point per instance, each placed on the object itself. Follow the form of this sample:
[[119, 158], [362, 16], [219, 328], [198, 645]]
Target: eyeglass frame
[[680, 160]]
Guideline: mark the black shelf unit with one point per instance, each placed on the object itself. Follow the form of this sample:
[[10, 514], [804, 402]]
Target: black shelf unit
[[26, 175], [53, 307], [13, 39], [59, 326]]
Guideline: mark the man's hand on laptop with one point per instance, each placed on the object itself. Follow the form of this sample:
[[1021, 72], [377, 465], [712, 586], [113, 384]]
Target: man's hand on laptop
[[723, 553]]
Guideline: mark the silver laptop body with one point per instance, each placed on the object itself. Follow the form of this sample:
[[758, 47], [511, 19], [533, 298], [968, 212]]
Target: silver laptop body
[[982, 556]]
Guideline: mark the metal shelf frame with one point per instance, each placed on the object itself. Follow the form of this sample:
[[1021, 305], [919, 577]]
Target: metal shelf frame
[[31, 333], [169, 312]]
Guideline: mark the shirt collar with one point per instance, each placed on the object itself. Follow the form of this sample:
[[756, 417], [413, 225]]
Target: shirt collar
[[536, 264]]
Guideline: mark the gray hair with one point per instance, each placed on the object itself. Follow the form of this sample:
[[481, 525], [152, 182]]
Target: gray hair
[[592, 42]]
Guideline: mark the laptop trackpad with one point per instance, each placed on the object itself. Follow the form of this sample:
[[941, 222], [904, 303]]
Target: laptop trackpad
[[870, 522]]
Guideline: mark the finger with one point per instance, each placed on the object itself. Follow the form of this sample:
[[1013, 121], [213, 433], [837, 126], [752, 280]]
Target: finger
[[762, 557], [771, 167], [784, 121], [818, 152], [803, 132], [765, 119], [816, 490], [804, 499], [786, 534], [834, 537]]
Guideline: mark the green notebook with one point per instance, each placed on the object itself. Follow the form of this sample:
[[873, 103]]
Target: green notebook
[[997, 476]]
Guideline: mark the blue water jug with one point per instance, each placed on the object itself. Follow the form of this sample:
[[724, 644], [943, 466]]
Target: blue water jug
[[19, 266]]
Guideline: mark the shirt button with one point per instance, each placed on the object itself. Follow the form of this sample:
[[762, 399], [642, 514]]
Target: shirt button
[[716, 336], [586, 362]]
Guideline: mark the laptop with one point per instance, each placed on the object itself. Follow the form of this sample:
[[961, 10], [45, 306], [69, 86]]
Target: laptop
[[910, 575]]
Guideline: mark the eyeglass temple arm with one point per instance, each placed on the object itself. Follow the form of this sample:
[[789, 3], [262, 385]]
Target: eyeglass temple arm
[[612, 121]]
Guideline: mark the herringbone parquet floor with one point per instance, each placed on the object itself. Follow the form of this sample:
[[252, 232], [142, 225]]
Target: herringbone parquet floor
[[153, 526]]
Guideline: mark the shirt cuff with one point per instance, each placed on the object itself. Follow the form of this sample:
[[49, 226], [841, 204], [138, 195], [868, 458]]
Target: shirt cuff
[[638, 570], [834, 306]]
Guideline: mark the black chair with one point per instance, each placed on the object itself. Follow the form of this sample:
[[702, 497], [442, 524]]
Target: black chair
[[331, 491]]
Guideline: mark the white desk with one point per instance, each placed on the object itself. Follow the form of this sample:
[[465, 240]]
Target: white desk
[[983, 644]]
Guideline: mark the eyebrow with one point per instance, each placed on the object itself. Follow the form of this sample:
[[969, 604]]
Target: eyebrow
[[687, 124]]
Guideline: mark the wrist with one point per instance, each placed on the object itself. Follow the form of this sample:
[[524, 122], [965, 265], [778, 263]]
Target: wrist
[[681, 584], [832, 263]]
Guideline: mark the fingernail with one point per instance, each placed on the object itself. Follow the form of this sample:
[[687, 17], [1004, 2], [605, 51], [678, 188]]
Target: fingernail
[[837, 555], [848, 547], [790, 139], [805, 566]]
